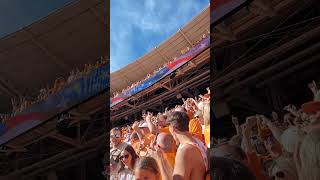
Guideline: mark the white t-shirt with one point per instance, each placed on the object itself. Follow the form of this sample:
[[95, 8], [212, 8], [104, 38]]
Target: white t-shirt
[[126, 174]]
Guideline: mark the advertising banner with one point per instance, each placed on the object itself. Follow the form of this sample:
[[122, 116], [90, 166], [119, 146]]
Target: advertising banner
[[73, 94]]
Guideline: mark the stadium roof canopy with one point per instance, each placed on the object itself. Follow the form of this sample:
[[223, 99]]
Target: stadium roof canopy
[[51, 47], [166, 51]]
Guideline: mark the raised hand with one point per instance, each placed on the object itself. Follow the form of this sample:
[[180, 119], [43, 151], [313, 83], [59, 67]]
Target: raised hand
[[290, 108], [135, 125], [235, 120], [313, 87], [246, 130]]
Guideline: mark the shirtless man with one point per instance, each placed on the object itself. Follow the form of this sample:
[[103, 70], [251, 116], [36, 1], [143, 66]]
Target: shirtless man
[[191, 158]]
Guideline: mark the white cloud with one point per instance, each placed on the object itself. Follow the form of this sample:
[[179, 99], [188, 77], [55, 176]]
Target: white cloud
[[137, 25]]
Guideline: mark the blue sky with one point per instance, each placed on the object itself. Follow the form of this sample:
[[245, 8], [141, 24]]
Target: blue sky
[[136, 27], [16, 14]]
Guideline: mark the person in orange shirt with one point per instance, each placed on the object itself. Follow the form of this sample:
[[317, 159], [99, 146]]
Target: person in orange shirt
[[195, 129], [206, 120], [145, 136], [135, 142]]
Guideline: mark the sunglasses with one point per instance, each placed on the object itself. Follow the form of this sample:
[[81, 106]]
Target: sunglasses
[[278, 174], [124, 157], [115, 136]]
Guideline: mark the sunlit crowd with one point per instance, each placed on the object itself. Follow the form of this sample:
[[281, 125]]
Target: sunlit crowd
[[183, 51], [163, 145], [22, 103]]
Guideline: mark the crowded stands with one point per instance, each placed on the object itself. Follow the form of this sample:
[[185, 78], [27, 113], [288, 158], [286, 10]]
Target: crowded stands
[[21, 104], [283, 145], [160, 144], [183, 51]]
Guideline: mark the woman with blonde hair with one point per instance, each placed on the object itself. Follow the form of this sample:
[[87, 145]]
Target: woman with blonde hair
[[147, 168]]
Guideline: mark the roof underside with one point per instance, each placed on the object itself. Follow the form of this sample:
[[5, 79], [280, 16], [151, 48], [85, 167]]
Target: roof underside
[[39, 53], [166, 51]]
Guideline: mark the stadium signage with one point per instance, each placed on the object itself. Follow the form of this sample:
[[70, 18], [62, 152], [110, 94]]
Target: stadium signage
[[73, 94]]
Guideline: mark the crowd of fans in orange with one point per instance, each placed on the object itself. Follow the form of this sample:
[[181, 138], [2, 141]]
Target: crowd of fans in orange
[[272, 148], [173, 145], [170, 144], [183, 51], [19, 105]]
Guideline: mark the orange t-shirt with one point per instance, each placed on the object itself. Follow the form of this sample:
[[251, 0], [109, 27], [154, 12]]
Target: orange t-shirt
[[164, 130], [170, 157], [207, 135], [136, 146], [195, 129], [148, 138], [255, 166], [265, 132]]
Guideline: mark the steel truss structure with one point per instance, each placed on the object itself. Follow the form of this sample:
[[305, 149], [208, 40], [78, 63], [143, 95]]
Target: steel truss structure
[[264, 58], [59, 143]]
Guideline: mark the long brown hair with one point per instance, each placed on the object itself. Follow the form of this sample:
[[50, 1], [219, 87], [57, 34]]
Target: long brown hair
[[133, 154]]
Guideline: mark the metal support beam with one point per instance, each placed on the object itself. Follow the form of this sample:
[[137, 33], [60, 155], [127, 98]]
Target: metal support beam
[[8, 87], [225, 78], [132, 106], [85, 134], [164, 86], [64, 139], [126, 79], [98, 18], [262, 8], [11, 150], [165, 58], [54, 58], [185, 37], [79, 133], [280, 65], [224, 32]]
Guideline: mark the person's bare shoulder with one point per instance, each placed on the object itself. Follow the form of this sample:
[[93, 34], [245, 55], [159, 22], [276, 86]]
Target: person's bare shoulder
[[186, 150]]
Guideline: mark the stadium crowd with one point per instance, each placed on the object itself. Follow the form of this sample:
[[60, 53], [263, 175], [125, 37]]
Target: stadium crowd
[[183, 51], [277, 147], [163, 146], [22, 103]]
